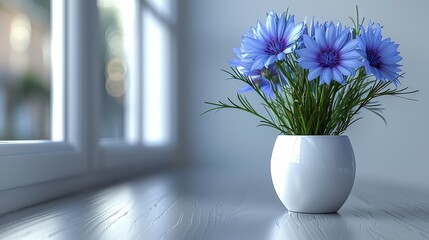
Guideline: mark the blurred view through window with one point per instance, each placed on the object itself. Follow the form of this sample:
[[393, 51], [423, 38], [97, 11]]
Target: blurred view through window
[[24, 69], [137, 38], [115, 66]]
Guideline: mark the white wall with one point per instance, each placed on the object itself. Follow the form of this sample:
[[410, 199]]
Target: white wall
[[209, 29]]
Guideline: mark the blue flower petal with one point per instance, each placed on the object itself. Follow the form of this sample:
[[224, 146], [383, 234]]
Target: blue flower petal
[[352, 63], [320, 38], [331, 34], [309, 64], [271, 24], [270, 61], [258, 63], [344, 70], [326, 76], [281, 56], [246, 88], [350, 55], [341, 40], [314, 73], [349, 46], [338, 76]]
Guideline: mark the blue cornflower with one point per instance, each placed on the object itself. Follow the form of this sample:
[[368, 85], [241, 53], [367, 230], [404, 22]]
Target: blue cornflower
[[271, 42], [380, 57], [262, 77], [331, 54]]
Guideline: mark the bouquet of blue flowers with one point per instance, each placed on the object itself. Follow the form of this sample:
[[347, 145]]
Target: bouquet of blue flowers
[[314, 79]]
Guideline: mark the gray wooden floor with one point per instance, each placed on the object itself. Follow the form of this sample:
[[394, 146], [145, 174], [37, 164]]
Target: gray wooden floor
[[207, 205]]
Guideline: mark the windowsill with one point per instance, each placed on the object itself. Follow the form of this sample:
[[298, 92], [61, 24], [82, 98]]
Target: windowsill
[[19, 197]]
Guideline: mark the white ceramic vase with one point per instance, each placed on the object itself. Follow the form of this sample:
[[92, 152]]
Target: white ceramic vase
[[313, 174]]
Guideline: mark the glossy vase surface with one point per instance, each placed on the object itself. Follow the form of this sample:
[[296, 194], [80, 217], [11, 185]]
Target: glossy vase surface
[[313, 174]]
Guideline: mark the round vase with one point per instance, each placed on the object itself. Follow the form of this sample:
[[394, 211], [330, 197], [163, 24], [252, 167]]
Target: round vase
[[313, 174]]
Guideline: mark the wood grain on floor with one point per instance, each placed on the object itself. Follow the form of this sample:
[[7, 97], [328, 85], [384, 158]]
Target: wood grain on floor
[[195, 206]]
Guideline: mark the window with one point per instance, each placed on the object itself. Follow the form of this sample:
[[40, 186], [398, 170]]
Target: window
[[138, 77], [61, 153], [103, 96], [136, 99]]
